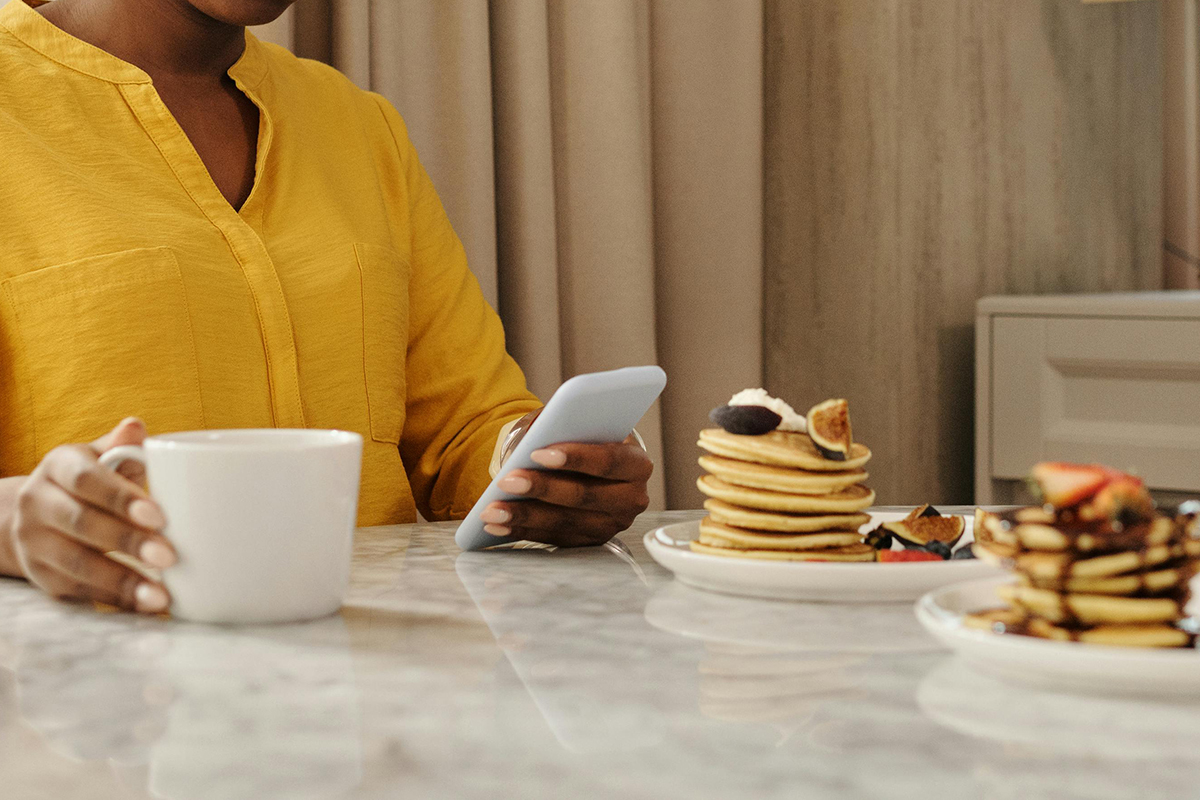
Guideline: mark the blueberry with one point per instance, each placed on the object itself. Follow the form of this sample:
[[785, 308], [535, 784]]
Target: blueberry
[[963, 552], [745, 420], [939, 549]]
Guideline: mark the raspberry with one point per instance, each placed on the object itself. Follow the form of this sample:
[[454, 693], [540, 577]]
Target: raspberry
[[907, 555]]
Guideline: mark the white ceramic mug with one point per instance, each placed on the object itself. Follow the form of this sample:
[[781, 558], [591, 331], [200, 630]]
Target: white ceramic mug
[[262, 519]]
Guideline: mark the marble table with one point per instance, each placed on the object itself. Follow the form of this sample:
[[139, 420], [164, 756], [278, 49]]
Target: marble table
[[536, 674]]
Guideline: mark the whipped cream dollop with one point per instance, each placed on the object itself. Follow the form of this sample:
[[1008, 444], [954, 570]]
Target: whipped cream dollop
[[759, 397]]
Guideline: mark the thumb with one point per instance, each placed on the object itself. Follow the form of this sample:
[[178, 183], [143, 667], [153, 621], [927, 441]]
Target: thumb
[[130, 430]]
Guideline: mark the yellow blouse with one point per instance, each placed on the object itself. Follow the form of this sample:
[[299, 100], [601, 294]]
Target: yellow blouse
[[337, 297]]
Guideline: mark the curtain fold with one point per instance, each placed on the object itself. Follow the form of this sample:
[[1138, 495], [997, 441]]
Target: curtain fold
[[526, 220], [707, 121], [602, 162]]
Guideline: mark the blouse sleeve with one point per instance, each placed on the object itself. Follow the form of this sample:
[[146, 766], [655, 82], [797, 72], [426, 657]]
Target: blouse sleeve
[[462, 385]]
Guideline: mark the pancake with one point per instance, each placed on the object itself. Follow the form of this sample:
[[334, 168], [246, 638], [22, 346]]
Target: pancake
[[1155, 635], [1002, 620], [779, 448], [739, 517], [855, 498], [1044, 536], [780, 479], [1163, 581], [718, 535], [1045, 567], [850, 552], [1091, 609]]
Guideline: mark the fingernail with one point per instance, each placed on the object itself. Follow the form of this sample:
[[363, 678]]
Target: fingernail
[[514, 484], [549, 458], [498, 530], [150, 599], [146, 514], [495, 514], [157, 554]]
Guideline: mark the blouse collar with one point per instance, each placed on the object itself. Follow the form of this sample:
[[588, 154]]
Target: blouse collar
[[20, 19]]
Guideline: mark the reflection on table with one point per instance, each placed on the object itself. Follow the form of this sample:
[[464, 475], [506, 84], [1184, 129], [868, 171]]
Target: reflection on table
[[546, 675], [189, 711]]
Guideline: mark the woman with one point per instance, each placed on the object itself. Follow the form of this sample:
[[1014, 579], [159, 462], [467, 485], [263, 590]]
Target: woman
[[207, 232]]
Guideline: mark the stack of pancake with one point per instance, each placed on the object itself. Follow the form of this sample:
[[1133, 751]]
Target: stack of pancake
[[1100, 580], [776, 496]]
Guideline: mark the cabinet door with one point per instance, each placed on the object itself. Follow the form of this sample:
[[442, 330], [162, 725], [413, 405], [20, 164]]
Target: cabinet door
[[1122, 392]]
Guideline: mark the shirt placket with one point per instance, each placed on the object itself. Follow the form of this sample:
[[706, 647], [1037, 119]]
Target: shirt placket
[[245, 243]]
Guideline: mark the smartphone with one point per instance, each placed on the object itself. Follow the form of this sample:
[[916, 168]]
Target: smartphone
[[597, 407]]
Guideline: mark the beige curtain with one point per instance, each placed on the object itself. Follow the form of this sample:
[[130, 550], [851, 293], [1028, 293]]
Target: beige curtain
[[602, 162]]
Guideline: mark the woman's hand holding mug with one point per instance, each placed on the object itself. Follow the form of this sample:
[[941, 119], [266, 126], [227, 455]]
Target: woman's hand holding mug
[[72, 511]]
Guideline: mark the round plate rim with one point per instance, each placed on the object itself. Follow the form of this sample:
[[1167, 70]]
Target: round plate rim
[[946, 625], [651, 537], [853, 582]]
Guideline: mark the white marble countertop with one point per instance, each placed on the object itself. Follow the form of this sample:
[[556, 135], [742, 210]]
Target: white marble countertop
[[534, 674]]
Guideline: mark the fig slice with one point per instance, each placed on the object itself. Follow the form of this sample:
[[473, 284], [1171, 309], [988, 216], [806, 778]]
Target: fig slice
[[880, 538], [745, 420], [829, 427], [920, 531]]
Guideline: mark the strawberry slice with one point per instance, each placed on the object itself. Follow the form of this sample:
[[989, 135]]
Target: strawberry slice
[[1064, 485], [906, 555]]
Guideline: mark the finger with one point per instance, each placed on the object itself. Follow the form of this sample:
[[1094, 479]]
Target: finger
[[132, 471], [130, 430], [71, 571], [544, 516], [560, 537], [571, 490], [76, 470], [616, 461], [99, 529]]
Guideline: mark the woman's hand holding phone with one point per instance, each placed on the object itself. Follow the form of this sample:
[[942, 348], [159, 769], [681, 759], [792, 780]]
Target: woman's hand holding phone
[[587, 494]]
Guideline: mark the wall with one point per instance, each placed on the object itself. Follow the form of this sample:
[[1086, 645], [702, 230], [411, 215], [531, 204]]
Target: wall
[[920, 154]]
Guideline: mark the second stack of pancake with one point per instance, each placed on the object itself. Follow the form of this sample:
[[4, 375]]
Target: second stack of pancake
[[777, 497], [1092, 582]]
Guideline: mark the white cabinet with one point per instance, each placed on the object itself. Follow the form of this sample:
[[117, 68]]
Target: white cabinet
[[1113, 379]]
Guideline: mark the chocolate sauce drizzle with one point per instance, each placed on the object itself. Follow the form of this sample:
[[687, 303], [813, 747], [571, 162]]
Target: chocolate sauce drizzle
[[1109, 537]]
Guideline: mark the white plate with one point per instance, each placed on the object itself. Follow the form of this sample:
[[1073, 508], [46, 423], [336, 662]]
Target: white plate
[[863, 582], [1063, 666]]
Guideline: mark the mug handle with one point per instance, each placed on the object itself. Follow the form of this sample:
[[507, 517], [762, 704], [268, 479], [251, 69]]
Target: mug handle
[[119, 455]]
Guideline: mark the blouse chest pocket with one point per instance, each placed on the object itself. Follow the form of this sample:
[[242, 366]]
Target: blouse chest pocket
[[383, 277], [100, 339]]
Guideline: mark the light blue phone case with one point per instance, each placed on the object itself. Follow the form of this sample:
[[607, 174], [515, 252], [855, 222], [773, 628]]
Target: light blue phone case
[[597, 407]]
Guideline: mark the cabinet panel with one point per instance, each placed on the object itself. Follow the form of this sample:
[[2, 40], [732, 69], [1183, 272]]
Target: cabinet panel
[[1124, 392]]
